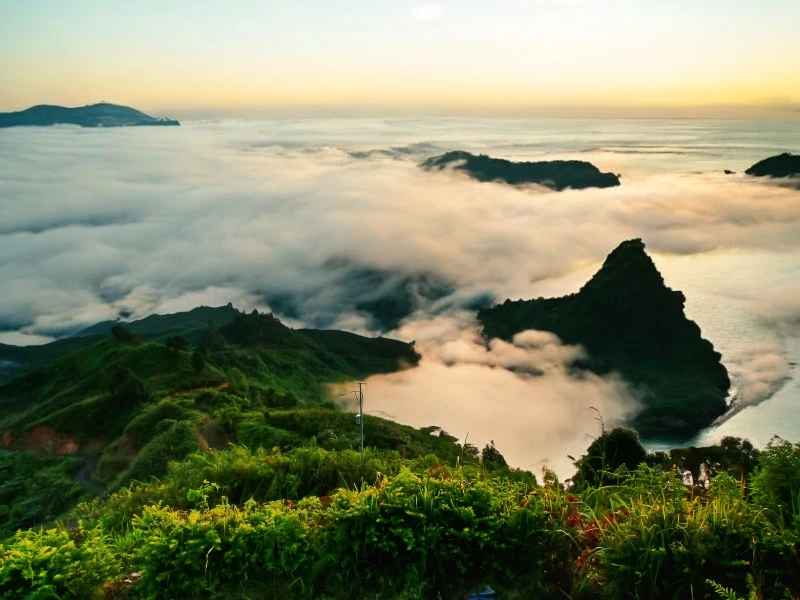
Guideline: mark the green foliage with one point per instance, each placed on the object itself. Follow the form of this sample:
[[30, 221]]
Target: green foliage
[[491, 457], [174, 442], [610, 457], [302, 524], [128, 389], [57, 563], [35, 490], [198, 362], [177, 343], [776, 482], [124, 335]]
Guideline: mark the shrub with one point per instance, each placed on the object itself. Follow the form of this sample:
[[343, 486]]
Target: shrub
[[60, 563]]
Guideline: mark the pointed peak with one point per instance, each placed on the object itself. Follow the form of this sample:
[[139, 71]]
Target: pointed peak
[[627, 265]]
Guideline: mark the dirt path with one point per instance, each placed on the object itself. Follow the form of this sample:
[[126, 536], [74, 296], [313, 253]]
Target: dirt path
[[82, 474]]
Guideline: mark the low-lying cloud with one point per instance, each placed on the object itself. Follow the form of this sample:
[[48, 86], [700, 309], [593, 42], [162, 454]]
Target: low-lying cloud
[[522, 394], [134, 221]]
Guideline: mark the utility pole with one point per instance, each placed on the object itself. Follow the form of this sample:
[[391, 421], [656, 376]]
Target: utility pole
[[360, 416], [361, 419]]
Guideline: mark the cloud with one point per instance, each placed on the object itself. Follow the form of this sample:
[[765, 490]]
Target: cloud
[[427, 12], [522, 394], [100, 223]]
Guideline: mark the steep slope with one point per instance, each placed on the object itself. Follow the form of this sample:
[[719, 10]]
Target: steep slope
[[556, 174], [630, 321], [782, 165], [95, 115]]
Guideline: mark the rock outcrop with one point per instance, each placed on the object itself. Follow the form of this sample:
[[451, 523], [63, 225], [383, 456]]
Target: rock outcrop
[[630, 322], [782, 165]]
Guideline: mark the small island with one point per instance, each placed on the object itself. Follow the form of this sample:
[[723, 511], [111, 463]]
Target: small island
[[782, 165], [631, 323], [557, 175], [103, 114]]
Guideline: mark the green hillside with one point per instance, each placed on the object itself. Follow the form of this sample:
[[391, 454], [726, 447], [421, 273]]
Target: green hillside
[[217, 468], [135, 405]]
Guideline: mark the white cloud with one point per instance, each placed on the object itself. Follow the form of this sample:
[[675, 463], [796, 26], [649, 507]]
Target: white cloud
[[427, 12], [95, 223]]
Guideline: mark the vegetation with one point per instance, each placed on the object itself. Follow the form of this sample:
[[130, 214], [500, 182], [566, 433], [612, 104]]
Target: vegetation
[[308, 523], [36, 489], [555, 174], [230, 475], [137, 404], [630, 322]]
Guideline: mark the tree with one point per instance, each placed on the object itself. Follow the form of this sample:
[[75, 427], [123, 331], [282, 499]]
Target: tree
[[198, 362], [491, 457], [177, 343], [128, 388], [614, 452], [124, 335]]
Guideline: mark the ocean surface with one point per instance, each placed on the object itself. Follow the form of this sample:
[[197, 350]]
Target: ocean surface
[[80, 205]]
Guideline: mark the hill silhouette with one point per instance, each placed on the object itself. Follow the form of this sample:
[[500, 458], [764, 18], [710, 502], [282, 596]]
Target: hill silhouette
[[629, 321], [102, 114], [782, 165], [555, 174]]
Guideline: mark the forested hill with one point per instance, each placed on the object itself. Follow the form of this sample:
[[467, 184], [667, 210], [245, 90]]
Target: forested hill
[[102, 114], [554, 174]]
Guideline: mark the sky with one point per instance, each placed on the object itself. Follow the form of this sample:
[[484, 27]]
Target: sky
[[461, 57]]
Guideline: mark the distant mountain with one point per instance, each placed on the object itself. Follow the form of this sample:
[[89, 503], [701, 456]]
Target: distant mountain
[[180, 323], [192, 325], [782, 165], [94, 115], [629, 321], [555, 174]]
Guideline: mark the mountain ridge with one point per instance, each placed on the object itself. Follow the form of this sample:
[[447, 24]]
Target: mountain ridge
[[102, 114]]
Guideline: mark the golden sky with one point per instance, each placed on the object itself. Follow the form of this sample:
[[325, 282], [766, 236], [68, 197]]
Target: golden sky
[[548, 57]]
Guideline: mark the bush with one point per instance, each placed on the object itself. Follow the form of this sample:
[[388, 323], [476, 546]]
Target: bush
[[57, 563]]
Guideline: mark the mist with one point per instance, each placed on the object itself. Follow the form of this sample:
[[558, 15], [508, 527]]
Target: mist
[[319, 228]]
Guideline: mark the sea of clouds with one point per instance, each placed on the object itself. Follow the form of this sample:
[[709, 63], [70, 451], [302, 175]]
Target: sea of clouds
[[98, 224]]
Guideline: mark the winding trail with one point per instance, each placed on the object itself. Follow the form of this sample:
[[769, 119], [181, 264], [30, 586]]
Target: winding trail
[[82, 474]]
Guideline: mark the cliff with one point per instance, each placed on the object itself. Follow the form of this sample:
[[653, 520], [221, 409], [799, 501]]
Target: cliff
[[629, 321]]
